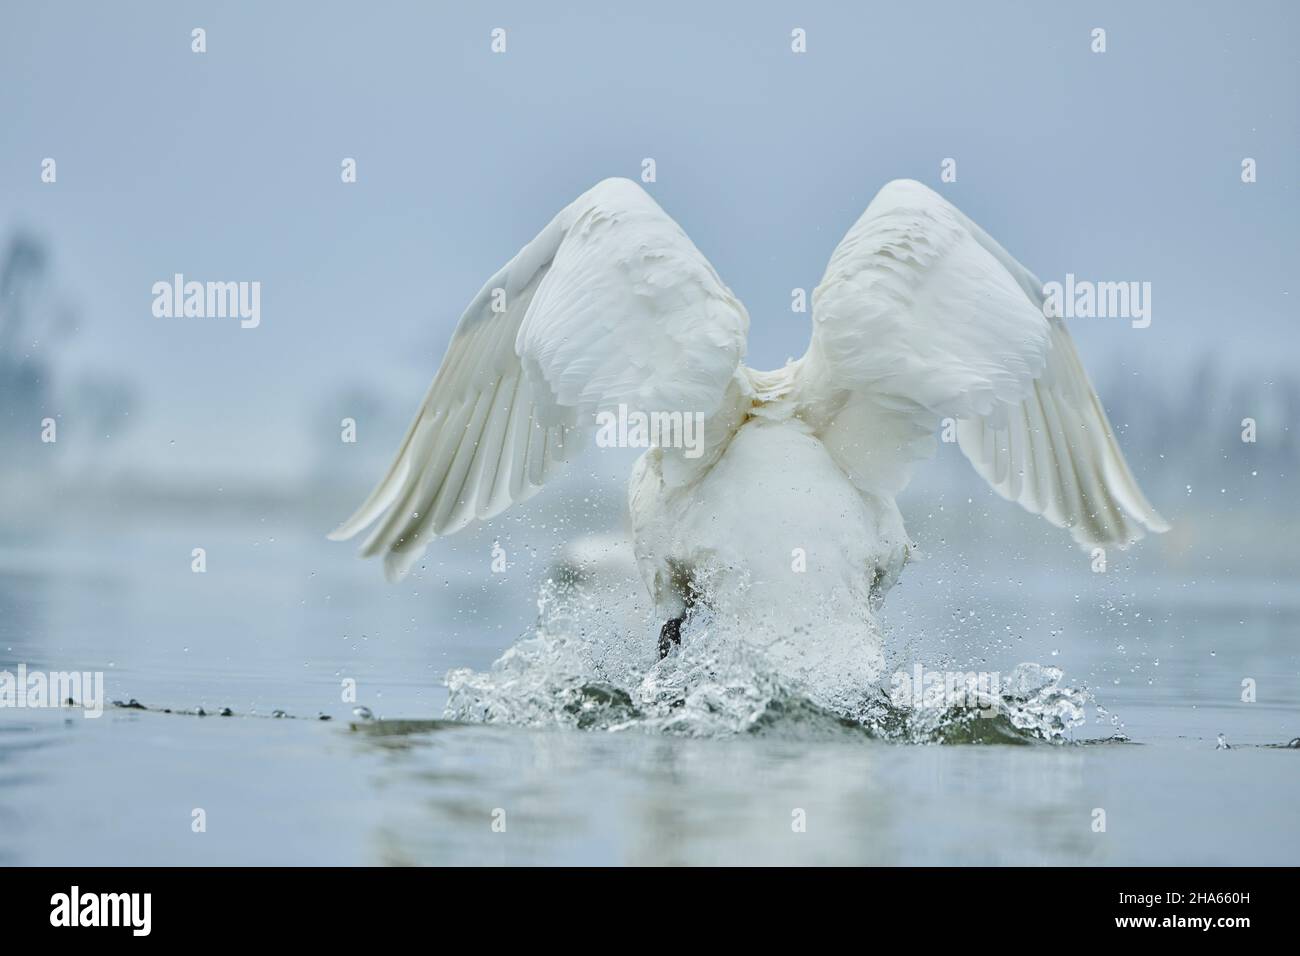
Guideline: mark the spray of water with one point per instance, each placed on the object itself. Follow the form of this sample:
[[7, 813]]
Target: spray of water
[[590, 664]]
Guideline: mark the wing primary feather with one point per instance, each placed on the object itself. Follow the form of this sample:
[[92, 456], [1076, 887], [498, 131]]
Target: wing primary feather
[[610, 303], [922, 315], [411, 510]]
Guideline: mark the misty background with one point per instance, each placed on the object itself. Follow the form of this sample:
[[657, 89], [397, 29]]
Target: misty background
[[225, 166]]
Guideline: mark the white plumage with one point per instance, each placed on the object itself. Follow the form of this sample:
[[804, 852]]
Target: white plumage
[[919, 317]]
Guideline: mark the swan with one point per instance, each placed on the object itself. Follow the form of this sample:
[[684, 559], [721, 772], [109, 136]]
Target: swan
[[785, 502]]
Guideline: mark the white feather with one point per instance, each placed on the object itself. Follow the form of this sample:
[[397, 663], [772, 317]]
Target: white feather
[[919, 317], [611, 304]]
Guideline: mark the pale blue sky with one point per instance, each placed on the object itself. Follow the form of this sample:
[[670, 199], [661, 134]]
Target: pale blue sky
[[225, 166]]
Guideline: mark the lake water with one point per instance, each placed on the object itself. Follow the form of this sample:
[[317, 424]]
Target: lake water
[[281, 618]]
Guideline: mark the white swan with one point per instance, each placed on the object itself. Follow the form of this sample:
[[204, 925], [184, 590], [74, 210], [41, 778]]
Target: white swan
[[920, 316]]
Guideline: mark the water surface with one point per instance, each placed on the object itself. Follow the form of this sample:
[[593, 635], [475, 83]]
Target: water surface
[[280, 620]]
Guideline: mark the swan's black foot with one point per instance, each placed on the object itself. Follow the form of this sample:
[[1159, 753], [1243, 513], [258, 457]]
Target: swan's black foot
[[670, 634]]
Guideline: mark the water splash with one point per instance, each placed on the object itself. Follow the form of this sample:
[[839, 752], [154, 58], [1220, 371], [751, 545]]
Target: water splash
[[587, 666]]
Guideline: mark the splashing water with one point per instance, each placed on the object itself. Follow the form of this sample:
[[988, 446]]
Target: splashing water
[[592, 665]]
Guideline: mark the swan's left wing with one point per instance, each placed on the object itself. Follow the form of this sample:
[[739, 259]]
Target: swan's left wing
[[921, 316], [611, 305]]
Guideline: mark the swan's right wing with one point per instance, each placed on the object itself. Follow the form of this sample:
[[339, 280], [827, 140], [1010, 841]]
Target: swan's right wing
[[921, 316], [611, 305]]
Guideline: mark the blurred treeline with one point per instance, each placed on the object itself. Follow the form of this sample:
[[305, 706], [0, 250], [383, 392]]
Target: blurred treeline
[[1182, 431]]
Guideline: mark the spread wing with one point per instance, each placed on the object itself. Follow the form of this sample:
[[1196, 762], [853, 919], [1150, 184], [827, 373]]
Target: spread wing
[[921, 316], [610, 305]]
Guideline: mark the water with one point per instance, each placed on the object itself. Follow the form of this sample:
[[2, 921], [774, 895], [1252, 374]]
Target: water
[[580, 747]]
